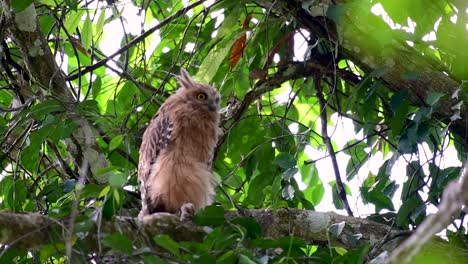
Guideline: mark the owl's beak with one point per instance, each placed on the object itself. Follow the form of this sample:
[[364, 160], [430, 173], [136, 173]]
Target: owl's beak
[[212, 106]]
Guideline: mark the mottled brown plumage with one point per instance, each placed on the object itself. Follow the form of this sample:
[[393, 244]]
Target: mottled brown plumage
[[177, 149]]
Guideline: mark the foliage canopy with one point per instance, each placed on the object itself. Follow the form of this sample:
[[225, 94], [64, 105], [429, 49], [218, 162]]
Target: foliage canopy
[[297, 78]]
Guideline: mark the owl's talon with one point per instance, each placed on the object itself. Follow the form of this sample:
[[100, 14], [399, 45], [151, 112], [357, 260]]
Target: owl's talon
[[187, 211]]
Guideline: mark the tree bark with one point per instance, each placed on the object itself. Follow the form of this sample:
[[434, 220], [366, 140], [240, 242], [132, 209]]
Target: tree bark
[[31, 231]]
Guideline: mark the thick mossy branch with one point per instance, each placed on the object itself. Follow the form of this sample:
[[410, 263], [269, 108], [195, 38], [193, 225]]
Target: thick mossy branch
[[30, 231], [25, 230]]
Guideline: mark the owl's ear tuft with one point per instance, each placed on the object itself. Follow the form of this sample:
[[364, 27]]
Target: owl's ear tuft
[[185, 80]]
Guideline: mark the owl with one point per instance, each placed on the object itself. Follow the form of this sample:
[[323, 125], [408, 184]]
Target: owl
[[175, 165]]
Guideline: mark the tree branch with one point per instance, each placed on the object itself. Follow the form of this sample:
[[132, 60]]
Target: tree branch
[[355, 31], [135, 41], [26, 33], [326, 139], [286, 72], [30, 231]]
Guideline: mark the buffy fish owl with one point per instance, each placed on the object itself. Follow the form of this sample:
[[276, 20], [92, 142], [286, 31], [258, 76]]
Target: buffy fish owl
[[174, 169]]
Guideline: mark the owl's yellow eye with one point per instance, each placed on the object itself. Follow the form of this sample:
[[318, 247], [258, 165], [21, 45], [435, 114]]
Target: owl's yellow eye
[[201, 96]]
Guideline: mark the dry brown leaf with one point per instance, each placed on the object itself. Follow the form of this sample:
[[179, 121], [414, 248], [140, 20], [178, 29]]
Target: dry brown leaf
[[237, 49], [239, 44], [77, 44]]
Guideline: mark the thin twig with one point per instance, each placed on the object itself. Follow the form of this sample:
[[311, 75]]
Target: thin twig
[[326, 139], [14, 109], [79, 187], [135, 41], [348, 146]]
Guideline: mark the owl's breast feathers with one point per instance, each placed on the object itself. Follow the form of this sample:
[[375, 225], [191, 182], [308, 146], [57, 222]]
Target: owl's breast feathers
[[195, 136]]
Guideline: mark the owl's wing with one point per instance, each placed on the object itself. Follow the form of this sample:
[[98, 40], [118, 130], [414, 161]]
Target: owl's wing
[[156, 138]]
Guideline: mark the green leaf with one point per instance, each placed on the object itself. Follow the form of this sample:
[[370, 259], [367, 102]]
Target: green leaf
[[414, 182], [358, 157], [48, 2], [358, 255], [207, 259], [115, 142], [292, 245], [440, 179], [96, 88], [243, 259], [310, 177], [63, 129], [251, 165], [435, 251], [314, 193], [152, 259], [118, 180], [12, 255], [168, 244], [100, 22], [73, 20], [254, 230], [88, 107], [263, 153], [52, 191], [289, 173], [227, 257], [434, 98], [336, 199], [210, 65], [87, 33], [17, 195], [113, 203], [49, 250], [73, 4], [337, 229], [46, 107], [398, 100], [406, 209], [20, 5], [126, 97], [210, 216], [91, 190], [400, 106], [255, 195], [376, 197], [231, 21], [285, 160], [118, 242], [456, 239]]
